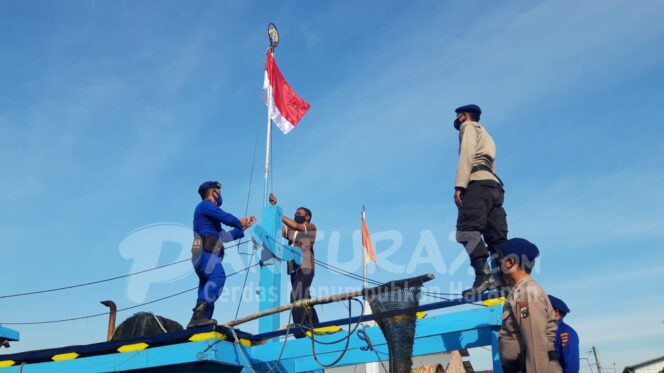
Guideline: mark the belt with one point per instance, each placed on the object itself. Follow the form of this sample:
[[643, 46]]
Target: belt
[[482, 167], [553, 356], [211, 244]]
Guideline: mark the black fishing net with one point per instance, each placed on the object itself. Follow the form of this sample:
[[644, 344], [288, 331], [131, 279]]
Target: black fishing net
[[394, 306], [144, 324]]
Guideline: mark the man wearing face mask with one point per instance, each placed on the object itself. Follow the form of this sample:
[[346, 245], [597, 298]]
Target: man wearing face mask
[[479, 197], [528, 331], [300, 232], [208, 249]]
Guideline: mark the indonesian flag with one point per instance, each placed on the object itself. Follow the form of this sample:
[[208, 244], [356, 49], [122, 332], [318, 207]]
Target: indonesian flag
[[369, 252], [286, 108]]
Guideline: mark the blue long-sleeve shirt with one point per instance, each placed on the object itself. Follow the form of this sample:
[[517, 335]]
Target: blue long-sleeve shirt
[[208, 218], [567, 348]]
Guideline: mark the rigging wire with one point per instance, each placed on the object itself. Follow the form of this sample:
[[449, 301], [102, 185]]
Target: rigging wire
[[355, 276], [246, 276], [120, 309], [103, 280]]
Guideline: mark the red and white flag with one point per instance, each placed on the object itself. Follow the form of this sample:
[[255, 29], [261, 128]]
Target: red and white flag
[[369, 252], [285, 106]]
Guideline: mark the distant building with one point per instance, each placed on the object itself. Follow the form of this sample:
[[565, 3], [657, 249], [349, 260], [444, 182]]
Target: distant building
[[651, 366]]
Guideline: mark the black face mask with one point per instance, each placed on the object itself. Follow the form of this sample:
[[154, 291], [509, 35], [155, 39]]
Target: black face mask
[[299, 219], [457, 124]]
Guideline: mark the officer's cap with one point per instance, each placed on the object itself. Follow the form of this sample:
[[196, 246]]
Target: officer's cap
[[558, 304], [208, 185], [472, 108], [521, 248]]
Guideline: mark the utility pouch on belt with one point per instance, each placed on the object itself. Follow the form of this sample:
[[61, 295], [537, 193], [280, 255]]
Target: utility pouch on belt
[[197, 247], [291, 267]]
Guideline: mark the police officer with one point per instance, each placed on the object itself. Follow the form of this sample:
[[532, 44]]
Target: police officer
[[528, 332], [208, 249], [567, 341], [301, 233], [479, 197]]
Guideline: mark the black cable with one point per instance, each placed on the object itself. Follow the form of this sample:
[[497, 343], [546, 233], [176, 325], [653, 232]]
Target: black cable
[[100, 281], [357, 325], [343, 353], [119, 310]]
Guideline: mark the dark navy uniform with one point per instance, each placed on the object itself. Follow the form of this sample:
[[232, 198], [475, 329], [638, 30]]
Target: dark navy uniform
[[567, 340], [208, 251]]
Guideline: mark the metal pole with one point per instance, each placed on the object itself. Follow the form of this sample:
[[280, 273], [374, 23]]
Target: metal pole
[[364, 267], [268, 143], [599, 367], [113, 310]]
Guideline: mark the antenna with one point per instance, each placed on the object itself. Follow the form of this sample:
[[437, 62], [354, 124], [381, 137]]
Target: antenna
[[599, 367]]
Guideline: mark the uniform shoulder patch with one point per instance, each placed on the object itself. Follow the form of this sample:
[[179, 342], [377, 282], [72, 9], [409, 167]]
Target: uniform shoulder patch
[[523, 309], [564, 339]]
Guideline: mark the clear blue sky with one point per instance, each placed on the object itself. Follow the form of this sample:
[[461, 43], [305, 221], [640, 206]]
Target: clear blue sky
[[112, 113]]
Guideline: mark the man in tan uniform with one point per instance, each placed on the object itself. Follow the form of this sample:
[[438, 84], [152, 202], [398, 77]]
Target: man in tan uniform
[[479, 196], [301, 233], [528, 333]]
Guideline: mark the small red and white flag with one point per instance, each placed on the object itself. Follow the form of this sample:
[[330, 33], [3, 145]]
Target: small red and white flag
[[369, 252], [285, 106]]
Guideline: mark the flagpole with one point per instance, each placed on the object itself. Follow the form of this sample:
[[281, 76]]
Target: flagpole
[[364, 261], [368, 367], [268, 142], [273, 36]]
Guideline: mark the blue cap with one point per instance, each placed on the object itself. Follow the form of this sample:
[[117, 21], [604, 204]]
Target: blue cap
[[521, 248], [208, 185], [558, 304], [472, 108]]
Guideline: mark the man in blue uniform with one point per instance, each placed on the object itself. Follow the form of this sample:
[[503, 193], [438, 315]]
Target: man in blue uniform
[[567, 341], [208, 249]]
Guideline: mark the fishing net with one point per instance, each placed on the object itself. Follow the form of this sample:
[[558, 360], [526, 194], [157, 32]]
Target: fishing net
[[394, 306], [145, 324]]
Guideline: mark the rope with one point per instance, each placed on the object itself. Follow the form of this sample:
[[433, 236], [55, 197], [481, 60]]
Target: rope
[[246, 276], [119, 310], [362, 334]]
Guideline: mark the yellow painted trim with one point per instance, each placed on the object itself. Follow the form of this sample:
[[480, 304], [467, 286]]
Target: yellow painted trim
[[494, 301], [206, 336], [420, 315], [67, 356], [133, 347], [325, 330], [245, 342], [400, 318], [7, 363]]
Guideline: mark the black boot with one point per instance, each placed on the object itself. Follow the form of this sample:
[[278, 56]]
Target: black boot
[[498, 275], [483, 279], [200, 318]]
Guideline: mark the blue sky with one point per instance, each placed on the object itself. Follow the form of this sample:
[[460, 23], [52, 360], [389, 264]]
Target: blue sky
[[112, 113]]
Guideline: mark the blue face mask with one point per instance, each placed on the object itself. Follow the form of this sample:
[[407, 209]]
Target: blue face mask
[[219, 200], [299, 219]]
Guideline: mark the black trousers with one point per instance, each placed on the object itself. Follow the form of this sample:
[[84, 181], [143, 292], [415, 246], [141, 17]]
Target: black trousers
[[481, 219], [301, 282]]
